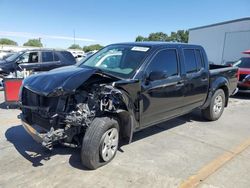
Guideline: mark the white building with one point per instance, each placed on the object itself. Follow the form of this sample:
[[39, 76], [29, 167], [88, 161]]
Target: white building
[[223, 42]]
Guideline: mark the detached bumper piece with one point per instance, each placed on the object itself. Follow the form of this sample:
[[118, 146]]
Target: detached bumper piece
[[45, 138]]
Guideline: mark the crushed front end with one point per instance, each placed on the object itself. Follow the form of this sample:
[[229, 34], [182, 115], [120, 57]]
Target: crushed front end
[[64, 118]]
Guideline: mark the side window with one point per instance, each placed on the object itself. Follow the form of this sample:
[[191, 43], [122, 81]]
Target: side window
[[165, 60], [199, 59], [33, 58], [190, 60], [29, 57], [68, 56], [24, 58], [47, 56]]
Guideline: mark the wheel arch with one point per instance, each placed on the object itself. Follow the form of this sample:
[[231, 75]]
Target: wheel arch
[[127, 124], [219, 83], [226, 92]]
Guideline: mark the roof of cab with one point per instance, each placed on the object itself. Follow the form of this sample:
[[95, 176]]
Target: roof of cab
[[158, 44], [43, 49]]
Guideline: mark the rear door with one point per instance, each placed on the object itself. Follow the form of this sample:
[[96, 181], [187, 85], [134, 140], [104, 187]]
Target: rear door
[[49, 61], [197, 82], [162, 99], [66, 58]]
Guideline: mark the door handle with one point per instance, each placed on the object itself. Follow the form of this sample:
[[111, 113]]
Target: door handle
[[204, 79]]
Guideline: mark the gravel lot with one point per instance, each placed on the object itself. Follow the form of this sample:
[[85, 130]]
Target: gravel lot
[[176, 153]]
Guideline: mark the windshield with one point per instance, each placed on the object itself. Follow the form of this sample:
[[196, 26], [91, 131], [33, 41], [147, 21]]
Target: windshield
[[14, 56], [118, 60], [243, 63]]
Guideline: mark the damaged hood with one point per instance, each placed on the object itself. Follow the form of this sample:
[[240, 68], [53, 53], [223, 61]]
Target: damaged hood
[[58, 81]]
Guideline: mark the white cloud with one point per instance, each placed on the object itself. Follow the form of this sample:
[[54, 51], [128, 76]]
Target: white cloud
[[33, 35]]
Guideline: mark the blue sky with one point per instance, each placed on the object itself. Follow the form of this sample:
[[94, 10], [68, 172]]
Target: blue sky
[[109, 21]]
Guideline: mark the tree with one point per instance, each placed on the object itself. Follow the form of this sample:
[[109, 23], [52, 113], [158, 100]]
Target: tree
[[179, 36], [75, 46], [140, 38], [33, 42], [7, 42], [158, 36], [92, 47]]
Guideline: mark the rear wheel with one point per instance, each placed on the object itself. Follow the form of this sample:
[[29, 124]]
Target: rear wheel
[[216, 107], [100, 142]]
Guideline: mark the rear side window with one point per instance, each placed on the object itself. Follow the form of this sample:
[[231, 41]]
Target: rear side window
[[199, 59], [56, 57], [190, 60], [165, 60], [68, 56], [47, 56]]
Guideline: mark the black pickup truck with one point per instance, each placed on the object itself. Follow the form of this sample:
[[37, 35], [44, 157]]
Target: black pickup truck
[[121, 89]]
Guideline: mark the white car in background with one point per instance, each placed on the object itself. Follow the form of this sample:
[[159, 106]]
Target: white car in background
[[78, 54], [5, 53]]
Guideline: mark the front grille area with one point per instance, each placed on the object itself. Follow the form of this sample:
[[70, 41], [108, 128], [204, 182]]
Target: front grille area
[[30, 98], [38, 109]]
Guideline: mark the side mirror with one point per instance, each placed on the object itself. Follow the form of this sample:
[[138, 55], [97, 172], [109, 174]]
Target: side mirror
[[157, 75], [20, 60]]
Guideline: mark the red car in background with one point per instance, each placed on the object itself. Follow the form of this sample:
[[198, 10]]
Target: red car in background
[[243, 73]]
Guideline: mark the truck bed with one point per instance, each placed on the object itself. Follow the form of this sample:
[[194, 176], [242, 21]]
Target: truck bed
[[228, 72]]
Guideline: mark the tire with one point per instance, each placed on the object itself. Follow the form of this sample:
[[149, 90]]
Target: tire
[[97, 138], [216, 107]]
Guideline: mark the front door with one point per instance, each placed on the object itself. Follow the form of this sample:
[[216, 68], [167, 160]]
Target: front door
[[29, 61], [162, 98]]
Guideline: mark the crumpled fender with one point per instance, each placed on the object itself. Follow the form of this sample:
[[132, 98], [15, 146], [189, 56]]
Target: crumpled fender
[[130, 90]]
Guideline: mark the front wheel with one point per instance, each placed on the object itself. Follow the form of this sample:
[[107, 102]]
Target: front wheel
[[216, 107], [100, 142]]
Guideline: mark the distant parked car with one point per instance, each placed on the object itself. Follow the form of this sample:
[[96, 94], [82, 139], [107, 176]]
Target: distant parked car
[[243, 74], [90, 53], [36, 60], [79, 57], [8, 55], [5, 53], [78, 54]]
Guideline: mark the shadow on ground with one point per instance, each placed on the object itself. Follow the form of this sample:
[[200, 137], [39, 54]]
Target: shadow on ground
[[150, 131], [35, 153], [3, 105], [244, 96], [38, 155]]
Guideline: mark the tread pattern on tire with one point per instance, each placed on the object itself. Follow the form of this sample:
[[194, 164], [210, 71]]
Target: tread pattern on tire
[[90, 156], [207, 113]]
